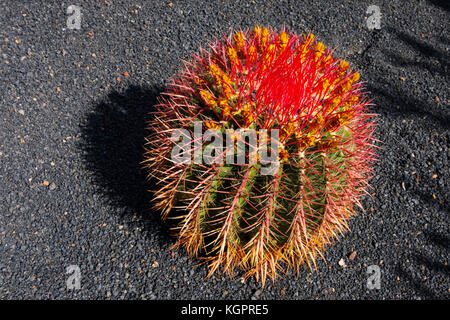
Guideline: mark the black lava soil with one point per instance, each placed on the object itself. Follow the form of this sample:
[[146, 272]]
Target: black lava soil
[[72, 125]]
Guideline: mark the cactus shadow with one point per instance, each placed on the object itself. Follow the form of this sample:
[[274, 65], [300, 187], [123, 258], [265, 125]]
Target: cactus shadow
[[428, 265], [427, 56], [113, 146], [396, 99], [441, 3]]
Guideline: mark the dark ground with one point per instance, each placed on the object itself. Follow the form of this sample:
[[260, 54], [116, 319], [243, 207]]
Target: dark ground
[[67, 119]]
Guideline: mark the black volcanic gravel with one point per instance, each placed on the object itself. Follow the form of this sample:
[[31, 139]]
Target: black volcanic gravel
[[72, 126]]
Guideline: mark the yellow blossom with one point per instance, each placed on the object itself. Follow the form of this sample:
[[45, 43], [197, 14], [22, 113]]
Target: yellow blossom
[[354, 77], [306, 141], [319, 49], [211, 125], [344, 87], [316, 124], [225, 82], [288, 130], [329, 145], [309, 39], [226, 110], [343, 67], [199, 81], [216, 73], [268, 56], [335, 102], [345, 116], [208, 98], [256, 32], [227, 91], [239, 40], [327, 60], [252, 52], [283, 154], [264, 39], [353, 99], [303, 49], [326, 85], [247, 113], [283, 39], [225, 79], [232, 55]]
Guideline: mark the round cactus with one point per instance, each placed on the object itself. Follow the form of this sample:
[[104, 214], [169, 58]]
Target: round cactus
[[232, 213]]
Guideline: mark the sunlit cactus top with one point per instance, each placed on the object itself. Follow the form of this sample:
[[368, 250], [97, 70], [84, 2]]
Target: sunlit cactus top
[[232, 215]]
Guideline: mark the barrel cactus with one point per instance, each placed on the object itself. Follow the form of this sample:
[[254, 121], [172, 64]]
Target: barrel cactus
[[309, 112]]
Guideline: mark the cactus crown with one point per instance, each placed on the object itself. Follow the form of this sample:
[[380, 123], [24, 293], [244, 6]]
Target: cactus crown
[[239, 217]]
